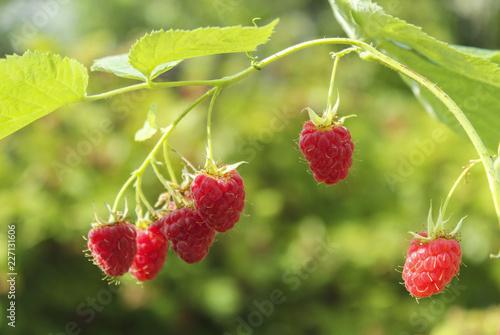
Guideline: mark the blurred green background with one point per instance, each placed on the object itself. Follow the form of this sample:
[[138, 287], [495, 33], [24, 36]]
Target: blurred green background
[[328, 256]]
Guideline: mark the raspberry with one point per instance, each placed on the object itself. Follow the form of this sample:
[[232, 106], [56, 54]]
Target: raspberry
[[430, 266], [113, 247], [219, 200], [191, 237], [328, 151], [152, 247]]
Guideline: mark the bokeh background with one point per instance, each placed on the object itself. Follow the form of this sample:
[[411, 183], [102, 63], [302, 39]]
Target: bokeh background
[[305, 258]]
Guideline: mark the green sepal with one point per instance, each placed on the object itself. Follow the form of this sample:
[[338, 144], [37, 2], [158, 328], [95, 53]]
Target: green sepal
[[114, 217], [212, 169], [328, 118], [315, 118], [436, 230]]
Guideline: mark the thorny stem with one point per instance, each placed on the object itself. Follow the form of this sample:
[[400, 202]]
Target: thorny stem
[[366, 52]]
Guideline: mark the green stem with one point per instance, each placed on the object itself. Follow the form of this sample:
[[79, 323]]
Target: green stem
[[455, 185], [170, 168], [332, 82], [116, 92], [336, 58], [158, 174], [209, 124], [140, 195], [122, 191]]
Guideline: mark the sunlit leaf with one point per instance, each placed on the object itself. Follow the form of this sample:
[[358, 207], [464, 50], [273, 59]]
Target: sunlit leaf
[[159, 47], [35, 84], [120, 66]]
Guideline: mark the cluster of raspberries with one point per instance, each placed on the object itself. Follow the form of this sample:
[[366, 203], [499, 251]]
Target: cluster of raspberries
[[217, 202]]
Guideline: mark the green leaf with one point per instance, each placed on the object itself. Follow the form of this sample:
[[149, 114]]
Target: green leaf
[[160, 47], [162, 68], [120, 66], [150, 127], [35, 84], [470, 76], [492, 55]]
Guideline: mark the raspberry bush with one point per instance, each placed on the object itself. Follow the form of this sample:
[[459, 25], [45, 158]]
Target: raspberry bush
[[191, 210]]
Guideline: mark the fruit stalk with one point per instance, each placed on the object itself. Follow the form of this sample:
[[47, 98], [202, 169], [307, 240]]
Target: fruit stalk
[[336, 57], [209, 124]]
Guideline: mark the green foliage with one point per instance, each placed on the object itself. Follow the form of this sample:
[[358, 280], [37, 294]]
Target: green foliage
[[35, 84], [470, 76], [152, 51]]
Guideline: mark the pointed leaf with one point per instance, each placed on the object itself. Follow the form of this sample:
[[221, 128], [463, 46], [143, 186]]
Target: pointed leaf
[[159, 47], [150, 128], [470, 76], [492, 55], [35, 84], [162, 68], [120, 66]]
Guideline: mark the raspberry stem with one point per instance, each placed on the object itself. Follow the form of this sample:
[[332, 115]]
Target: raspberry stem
[[210, 156], [141, 197], [159, 175], [336, 57], [168, 163], [464, 173]]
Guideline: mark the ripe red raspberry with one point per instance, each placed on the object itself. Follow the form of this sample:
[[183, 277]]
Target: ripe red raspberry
[[430, 266], [113, 247], [152, 247], [328, 151], [219, 199], [191, 237]]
